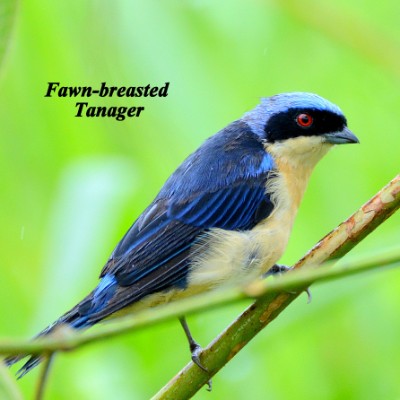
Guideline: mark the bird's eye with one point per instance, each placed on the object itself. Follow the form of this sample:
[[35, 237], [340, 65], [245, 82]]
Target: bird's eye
[[304, 120]]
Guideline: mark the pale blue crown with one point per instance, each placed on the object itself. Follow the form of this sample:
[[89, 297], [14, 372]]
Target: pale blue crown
[[258, 116]]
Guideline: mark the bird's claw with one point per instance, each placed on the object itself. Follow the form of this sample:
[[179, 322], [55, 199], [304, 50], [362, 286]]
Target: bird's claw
[[309, 295], [279, 269], [196, 350]]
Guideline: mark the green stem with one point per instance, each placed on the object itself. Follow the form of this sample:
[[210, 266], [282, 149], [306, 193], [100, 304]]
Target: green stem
[[44, 376], [67, 339], [264, 310]]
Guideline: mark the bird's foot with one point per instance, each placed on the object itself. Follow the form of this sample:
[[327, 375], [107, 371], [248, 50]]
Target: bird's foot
[[195, 349], [279, 269]]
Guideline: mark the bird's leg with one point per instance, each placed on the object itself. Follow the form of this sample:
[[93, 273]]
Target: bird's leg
[[195, 349], [279, 269]]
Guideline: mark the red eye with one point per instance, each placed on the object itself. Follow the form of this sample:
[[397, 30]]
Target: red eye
[[304, 120]]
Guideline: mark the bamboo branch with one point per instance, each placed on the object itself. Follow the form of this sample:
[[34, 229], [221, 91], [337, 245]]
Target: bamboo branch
[[264, 310]]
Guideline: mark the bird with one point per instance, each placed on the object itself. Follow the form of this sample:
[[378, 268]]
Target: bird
[[223, 218]]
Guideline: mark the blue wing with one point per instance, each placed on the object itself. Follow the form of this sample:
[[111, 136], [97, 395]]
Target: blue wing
[[221, 185], [178, 225]]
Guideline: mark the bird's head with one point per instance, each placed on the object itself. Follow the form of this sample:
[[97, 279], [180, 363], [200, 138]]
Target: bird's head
[[298, 126]]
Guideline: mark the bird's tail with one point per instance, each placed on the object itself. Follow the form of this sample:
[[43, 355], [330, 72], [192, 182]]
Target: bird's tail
[[72, 319], [79, 317]]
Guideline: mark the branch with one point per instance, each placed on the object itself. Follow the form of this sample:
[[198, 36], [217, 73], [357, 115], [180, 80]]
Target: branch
[[271, 301], [264, 310], [43, 377], [65, 339]]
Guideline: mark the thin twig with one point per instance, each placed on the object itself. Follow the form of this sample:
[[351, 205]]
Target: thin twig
[[68, 339], [44, 376]]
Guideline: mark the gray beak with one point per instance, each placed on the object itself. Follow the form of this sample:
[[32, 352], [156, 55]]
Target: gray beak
[[341, 137]]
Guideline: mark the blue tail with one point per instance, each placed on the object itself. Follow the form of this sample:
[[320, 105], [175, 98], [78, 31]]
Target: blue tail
[[78, 318]]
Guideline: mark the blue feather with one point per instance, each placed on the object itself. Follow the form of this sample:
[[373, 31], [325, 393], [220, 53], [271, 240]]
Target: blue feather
[[221, 185]]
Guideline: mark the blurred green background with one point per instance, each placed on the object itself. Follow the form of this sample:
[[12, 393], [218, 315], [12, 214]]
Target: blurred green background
[[71, 187]]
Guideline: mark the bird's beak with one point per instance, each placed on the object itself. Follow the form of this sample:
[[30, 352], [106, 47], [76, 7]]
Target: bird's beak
[[341, 137]]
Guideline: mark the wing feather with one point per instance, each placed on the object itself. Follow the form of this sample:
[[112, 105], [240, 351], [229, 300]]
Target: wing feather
[[221, 185]]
